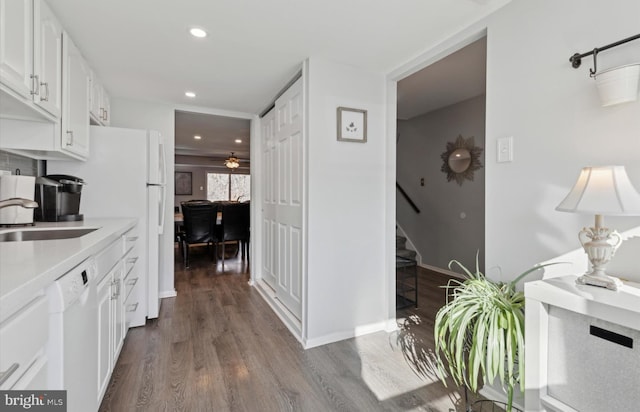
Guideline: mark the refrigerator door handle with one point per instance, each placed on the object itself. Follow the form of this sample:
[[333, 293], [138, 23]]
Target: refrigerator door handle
[[163, 189], [163, 201]]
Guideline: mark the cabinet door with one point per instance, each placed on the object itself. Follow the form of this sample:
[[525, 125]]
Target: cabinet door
[[118, 312], [48, 59], [104, 333], [75, 100], [96, 98], [16, 45], [106, 108]]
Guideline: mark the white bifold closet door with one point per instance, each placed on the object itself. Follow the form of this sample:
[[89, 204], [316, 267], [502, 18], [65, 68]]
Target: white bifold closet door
[[282, 177]]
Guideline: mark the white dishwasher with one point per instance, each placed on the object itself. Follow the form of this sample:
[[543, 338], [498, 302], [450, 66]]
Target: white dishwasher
[[72, 347]]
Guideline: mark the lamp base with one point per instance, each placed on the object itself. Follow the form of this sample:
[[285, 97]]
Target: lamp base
[[603, 281]]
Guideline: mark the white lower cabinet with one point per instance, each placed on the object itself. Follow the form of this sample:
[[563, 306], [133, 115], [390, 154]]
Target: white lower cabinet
[[105, 332], [23, 339], [118, 261], [111, 326], [134, 282]]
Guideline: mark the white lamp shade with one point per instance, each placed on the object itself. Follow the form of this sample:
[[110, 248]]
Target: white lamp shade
[[603, 191]]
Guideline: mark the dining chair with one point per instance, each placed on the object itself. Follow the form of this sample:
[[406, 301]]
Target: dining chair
[[199, 219], [235, 227]]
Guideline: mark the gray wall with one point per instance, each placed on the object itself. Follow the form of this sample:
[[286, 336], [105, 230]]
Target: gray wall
[[199, 167], [439, 232]]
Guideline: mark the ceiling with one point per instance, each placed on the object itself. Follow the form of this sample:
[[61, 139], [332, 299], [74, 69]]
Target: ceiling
[[459, 76], [218, 135], [142, 50]]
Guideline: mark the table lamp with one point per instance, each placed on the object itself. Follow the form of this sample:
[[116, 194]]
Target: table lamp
[[601, 191]]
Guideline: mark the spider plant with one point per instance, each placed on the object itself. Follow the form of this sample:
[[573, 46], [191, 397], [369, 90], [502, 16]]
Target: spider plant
[[479, 333]]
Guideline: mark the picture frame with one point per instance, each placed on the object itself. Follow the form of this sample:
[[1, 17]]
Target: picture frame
[[183, 185], [352, 125]]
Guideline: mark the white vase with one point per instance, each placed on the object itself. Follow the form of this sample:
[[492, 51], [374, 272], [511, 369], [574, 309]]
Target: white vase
[[619, 84]]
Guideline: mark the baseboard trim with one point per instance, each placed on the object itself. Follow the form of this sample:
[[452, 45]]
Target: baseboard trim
[[168, 294], [287, 318], [338, 336], [443, 271]]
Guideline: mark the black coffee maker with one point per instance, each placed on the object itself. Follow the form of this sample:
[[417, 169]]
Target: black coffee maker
[[59, 198]]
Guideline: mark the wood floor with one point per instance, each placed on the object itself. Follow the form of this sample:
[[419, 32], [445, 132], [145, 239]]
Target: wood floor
[[217, 346]]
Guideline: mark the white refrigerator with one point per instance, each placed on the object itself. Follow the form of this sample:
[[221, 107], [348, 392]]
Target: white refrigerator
[[125, 176]]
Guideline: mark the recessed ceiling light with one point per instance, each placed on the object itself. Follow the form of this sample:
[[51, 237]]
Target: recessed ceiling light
[[197, 32], [197, 137], [238, 140], [190, 94]]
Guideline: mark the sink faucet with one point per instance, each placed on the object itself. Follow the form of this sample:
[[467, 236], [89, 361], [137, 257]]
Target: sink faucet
[[19, 201]]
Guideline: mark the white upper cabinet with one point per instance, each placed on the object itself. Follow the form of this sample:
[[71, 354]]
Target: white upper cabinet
[[100, 103], [48, 59], [76, 77], [16, 46], [31, 55]]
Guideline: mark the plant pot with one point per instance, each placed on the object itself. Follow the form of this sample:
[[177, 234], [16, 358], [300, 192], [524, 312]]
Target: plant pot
[[619, 84]]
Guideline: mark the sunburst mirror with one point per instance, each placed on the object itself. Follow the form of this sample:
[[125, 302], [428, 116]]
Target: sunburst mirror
[[461, 159]]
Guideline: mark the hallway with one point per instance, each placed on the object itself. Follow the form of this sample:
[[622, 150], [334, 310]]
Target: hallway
[[217, 346]]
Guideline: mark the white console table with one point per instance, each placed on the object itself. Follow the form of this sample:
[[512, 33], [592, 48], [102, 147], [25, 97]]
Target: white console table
[[582, 347]]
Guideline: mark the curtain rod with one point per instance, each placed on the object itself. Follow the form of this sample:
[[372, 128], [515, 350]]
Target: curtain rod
[[576, 59]]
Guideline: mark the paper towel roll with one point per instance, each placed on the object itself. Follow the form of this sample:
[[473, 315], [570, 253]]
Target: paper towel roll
[[16, 186]]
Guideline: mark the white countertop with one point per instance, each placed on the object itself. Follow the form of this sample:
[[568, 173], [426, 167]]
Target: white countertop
[[27, 267], [621, 306]]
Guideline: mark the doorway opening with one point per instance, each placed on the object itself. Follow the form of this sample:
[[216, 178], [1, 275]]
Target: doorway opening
[[204, 143], [440, 108]]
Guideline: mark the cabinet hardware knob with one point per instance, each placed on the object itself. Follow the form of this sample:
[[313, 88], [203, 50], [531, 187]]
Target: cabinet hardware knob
[[6, 374]]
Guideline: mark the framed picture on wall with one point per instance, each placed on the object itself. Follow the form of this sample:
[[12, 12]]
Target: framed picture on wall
[[352, 125], [183, 183]]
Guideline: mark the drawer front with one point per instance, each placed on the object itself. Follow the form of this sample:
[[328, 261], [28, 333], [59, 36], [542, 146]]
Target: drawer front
[[592, 364], [130, 239], [131, 280], [35, 378], [133, 306], [108, 258], [22, 339]]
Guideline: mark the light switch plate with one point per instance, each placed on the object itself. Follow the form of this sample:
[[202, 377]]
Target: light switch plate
[[505, 149]]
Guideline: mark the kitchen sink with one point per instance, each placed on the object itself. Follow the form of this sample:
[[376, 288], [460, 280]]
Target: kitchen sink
[[46, 234]]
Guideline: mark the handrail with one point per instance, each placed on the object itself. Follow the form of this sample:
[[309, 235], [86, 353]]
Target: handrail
[[406, 196]]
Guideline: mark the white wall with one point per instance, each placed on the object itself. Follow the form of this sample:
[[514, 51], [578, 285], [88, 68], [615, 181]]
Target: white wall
[[553, 113], [155, 116], [439, 232], [555, 117], [346, 283]]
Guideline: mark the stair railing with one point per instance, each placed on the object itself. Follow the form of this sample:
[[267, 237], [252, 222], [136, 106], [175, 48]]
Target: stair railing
[[407, 198]]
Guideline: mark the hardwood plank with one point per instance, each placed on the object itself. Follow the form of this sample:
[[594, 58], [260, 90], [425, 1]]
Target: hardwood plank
[[218, 346]]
